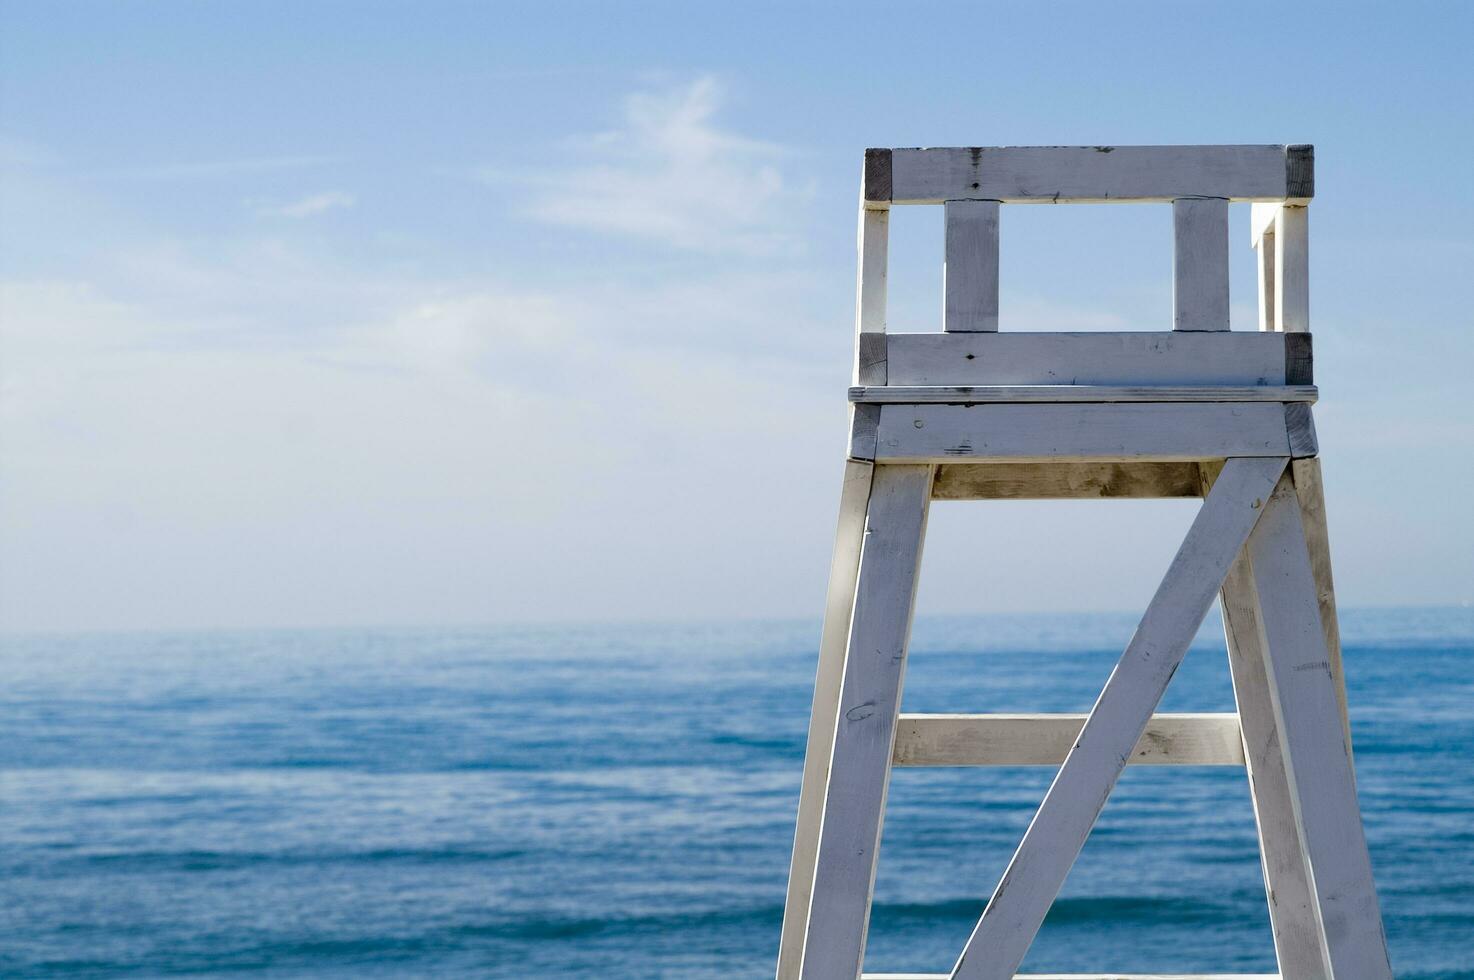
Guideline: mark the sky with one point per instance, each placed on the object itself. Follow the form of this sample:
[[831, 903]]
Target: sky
[[367, 314]]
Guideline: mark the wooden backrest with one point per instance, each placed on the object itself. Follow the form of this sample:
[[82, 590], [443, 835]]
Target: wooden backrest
[[972, 183]]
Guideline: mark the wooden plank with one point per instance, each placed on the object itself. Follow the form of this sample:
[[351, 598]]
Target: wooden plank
[[1087, 976], [870, 298], [1308, 715], [980, 394], [1045, 740], [1115, 725], [870, 698], [844, 569], [1054, 358], [1163, 432], [1064, 481], [970, 273], [1300, 171], [1310, 491], [864, 422], [1264, 259], [1089, 174], [1200, 264], [876, 184], [1292, 912], [1292, 270]]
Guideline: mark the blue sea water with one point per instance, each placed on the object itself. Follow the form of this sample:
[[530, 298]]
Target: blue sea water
[[619, 801]]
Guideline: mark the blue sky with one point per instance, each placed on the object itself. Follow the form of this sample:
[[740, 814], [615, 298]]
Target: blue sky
[[355, 313]]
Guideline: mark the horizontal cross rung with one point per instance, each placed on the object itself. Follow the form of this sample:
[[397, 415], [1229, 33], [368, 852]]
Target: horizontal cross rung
[[970, 395], [1088, 174], [1162, 432], [1207, 739], [1133, 357], [1066, 481]]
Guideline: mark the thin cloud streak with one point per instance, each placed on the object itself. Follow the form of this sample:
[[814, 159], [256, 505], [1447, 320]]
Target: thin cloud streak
[[309, 206], [671, 174]]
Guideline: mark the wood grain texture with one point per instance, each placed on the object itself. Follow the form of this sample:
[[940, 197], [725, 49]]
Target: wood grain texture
[[1065, 481], [1115, 725], [1045, 740], [1299, 359], [1308, 716], [1162, 432], [1101, 394], [870, 698], [1160, 357], [1293, 917], [970, 270], [1300, 426], [864, 429], [1200, 264], [844, 569], [1088, 174], [877, 179]]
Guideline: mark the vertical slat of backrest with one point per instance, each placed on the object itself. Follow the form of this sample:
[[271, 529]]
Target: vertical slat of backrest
[[1262, 224], [1292, 270], [970, 276], [1200, 264], [870, 354]]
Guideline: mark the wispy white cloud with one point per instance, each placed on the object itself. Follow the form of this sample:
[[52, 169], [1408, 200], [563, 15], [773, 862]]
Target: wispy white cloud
[[671, 174], [307, 207]]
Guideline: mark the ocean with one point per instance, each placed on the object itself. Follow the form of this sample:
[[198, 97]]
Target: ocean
[[618, 801]]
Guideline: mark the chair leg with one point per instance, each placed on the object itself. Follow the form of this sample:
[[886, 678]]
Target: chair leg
[[1307, 712], [1311, 494], [865, 730], [843, 570]]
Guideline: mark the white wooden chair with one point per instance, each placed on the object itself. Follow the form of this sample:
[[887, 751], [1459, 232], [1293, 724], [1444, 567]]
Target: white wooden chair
[[974, 414]]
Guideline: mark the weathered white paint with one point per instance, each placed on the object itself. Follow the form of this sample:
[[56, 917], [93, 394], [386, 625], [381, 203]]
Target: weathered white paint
[[981, 394], [1292, 270], [1308, 716], [1200, 264], [870, 698], [844, 568], [1088, 174], [1074, 801], [1159, 357], [1044, 740], [1064, 481], [864, 421], [970, 273], [1265, 264], [1163, 432], [1292, 913], [870, 299]]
